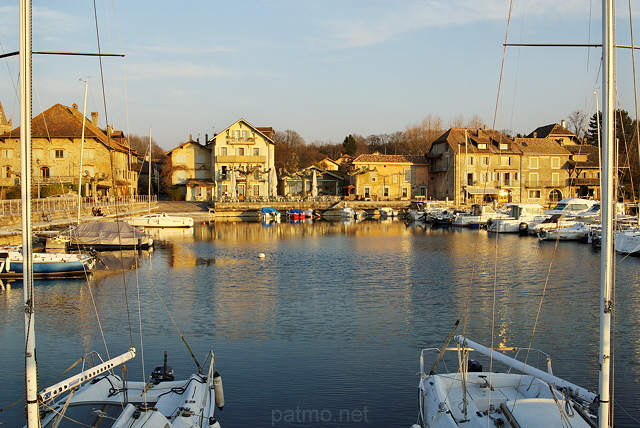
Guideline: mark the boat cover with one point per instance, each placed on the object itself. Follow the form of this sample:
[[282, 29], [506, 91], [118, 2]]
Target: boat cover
[[107, 233]]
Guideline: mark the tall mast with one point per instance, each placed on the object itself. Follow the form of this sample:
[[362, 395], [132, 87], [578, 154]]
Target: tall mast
[[608, 211], [31, 373]]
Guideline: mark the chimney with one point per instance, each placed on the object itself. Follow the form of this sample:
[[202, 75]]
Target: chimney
[[94, 118], [563, 123]]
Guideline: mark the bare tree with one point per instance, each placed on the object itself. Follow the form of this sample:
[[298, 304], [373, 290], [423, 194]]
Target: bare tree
[[577, 121]]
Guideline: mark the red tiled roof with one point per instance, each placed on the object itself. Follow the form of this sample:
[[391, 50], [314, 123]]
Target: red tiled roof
[[378, 158]]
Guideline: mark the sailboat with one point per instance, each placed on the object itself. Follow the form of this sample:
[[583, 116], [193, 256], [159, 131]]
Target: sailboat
[[97, 396], [474, 397]]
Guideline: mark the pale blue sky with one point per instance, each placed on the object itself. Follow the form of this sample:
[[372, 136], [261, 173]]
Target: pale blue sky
[[323, 68]]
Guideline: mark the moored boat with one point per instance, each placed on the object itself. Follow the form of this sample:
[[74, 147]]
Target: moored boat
[[45, 264], [160, 220], [520, 218]]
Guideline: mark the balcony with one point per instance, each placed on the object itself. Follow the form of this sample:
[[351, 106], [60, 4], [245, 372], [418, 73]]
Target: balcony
[[583, 182], [241, 159]]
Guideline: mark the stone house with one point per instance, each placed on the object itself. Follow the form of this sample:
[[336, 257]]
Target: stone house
[[473, 166], [388, 177], [301, 182], [104, 164], [544, 170], [190, 170], [236, 163], [583, 166]]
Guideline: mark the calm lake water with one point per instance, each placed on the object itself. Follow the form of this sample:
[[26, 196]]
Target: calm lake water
[[326, 330]]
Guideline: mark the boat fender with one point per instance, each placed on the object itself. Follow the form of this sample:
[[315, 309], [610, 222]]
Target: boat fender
[[213, 423], [217, 389]]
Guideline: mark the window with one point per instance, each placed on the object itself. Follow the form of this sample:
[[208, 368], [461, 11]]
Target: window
[[240, 151], [6, 171], [386, 192], [407, 175], [484, 177], [555, 163], [89, 153], [367, 192], [504, 146], [470, 180], [471, 160], [59, 154], [201, 174], [256, 175], [223, 172], [394, 179], [256, 151], [373, 176], [44, 172], [200, 159], [181, 176], [38, 154], [534, 193], [555, 179], [533, 163], [482, 146], [555, 195], [241, 134], [484, 160], [224, 189], [256, 190], [7, 153], [533, 179], [505, 160], [223, 151]]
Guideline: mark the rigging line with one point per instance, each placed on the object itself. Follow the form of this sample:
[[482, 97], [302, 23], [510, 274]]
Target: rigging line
[[176, 327], [504, 53], [635, 89]]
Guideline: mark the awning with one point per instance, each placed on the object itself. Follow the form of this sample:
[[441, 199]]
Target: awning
[[482, 191]]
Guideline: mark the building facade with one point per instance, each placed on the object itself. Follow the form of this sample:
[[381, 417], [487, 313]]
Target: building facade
[[388, 177], [102, 165], [237, 163]]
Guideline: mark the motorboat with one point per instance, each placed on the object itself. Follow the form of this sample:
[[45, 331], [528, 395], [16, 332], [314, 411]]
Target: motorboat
[[388, 212], [519, 218], [160, 220], [346, 213], [477, 217], [572, 206], [628, 241], [269, 214], [45, 264], [578, 231]]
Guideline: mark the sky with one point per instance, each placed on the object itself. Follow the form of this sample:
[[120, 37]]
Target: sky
[[322, 68]]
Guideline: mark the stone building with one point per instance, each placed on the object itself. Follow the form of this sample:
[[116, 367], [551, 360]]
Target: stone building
[[103, 164], [237, 163], [388, 177]]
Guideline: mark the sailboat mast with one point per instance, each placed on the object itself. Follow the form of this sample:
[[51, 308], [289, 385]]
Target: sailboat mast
[[149, 184], [31, 374], [84, 119], [608, 211]]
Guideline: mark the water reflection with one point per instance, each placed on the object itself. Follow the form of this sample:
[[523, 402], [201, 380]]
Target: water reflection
[[331, 310]]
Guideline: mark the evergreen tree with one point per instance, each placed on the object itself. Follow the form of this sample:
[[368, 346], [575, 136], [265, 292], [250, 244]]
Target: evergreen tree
[[350, 145]]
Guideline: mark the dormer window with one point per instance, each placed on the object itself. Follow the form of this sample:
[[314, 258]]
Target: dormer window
[[482, 146], [504, 146]]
